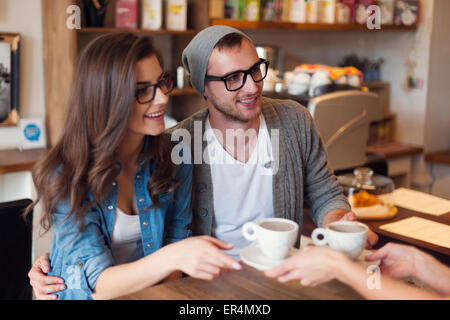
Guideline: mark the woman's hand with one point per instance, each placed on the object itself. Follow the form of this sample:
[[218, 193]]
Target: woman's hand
[[201, 257], [312, 266]]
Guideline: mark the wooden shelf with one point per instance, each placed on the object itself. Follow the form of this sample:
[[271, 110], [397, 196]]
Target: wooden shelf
[[242, 24], [387, 117], [183, 92], [16, 161], [394, 149], [442, 157], [112, 30]]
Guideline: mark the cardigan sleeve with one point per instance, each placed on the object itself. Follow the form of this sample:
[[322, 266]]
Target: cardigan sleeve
[[321, 186]]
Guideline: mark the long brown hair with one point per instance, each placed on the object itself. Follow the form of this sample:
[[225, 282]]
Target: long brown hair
[[100, 105]]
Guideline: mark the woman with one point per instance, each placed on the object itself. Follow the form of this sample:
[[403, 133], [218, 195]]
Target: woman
[[117, 205]]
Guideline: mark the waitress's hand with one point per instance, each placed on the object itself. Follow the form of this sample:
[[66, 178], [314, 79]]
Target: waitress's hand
[[397, 261], [202, 257], [312, 266]]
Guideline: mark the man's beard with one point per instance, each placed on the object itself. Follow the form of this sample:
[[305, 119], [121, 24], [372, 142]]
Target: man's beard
[[229, 114]]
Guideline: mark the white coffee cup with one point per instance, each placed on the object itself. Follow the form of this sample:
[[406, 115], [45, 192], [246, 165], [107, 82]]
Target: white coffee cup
[[275, 236], [346, 236]]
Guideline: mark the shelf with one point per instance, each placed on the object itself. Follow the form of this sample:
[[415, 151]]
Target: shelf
[[395, 149], [242, 24], [112, 30], [183, 92], [442, 157], [16, 161], [375, 84]]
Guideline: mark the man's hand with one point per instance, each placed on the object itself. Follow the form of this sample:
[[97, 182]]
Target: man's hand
[[342, 215], [372, 237], [44, 286]]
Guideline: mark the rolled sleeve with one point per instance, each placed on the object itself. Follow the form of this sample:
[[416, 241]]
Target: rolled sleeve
[[322, 188], [79, 257]]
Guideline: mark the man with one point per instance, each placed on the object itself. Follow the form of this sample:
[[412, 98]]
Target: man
[[270, 173]]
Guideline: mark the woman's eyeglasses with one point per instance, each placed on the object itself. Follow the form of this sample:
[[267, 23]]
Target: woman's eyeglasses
[[147, 93], [236, 80]]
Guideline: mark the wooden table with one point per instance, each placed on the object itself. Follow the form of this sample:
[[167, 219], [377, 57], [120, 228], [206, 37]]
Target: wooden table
[[245, 284], [441, 253], [15, 160]]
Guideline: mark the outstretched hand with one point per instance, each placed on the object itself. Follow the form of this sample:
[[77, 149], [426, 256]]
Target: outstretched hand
[[312, 266], [397, 261], [202, 257]]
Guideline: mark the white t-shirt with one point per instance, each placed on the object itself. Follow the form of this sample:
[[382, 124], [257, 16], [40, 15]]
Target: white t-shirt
[[242, 191], [126, 238]]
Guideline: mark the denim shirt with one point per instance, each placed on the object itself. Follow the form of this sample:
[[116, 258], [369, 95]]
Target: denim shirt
[[80, 258]]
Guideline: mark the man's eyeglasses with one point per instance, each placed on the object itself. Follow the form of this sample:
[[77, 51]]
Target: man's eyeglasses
[[147, 93], [236, 80]]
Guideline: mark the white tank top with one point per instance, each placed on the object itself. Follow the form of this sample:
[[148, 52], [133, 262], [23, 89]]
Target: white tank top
[[126, 238]]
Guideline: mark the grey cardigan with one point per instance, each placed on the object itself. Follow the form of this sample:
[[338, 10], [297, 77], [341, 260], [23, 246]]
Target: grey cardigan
[[303, 173]]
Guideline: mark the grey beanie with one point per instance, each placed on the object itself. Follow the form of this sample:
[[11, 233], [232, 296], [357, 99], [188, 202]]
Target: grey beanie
[[197, 53]]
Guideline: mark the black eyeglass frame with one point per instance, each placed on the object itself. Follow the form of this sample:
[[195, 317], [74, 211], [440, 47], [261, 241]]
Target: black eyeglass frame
[[160, 82], [246, 73]]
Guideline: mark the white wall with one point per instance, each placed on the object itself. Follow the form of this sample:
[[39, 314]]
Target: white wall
[[437, 127], [24, 17], [437, 118]]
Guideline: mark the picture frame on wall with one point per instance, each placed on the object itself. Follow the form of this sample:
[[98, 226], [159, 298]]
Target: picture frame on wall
[[9, 78]]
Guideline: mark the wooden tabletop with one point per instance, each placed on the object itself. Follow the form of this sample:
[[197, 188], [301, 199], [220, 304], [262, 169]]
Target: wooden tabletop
[[245, 284], [15, 160], [442, 253]]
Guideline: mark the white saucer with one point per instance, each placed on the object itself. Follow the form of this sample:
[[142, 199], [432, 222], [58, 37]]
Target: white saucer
[[253, 256]]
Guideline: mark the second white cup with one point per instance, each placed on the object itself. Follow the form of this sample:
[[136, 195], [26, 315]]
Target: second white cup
[[346, 236], [275, 236]]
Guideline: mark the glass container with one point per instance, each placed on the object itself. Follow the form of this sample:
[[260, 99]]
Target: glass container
[[370, 195]]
